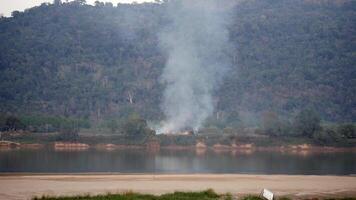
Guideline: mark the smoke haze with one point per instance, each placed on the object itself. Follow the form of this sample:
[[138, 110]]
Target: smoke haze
[[196, 40]]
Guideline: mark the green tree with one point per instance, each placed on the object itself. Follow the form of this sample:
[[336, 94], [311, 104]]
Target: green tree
[[347, 130], [15, 13], [109, 4], [327, 136], [2, 122], [233, 119], [270, 122], [79, 2], [99, 4], [57, 2], [306, 123], [113, 125], [13, 123], [273, 125], [136, 127]]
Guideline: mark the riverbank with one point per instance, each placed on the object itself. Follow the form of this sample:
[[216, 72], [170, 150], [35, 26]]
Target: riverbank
[[155, 146], [217, 142], [25, 186]]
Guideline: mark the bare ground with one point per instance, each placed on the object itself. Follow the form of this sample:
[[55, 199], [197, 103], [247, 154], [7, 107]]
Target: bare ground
[[27, 186]]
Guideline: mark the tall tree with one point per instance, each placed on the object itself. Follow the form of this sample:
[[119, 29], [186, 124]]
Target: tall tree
[[307, 122]]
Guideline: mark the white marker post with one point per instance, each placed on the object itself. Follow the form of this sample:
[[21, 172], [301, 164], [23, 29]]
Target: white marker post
[[267, 194]]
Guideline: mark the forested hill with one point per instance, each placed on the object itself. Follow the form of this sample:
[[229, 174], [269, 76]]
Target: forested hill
[[103, 61]]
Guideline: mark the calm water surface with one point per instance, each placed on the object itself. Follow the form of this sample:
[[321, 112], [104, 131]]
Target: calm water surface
[[141, 161]]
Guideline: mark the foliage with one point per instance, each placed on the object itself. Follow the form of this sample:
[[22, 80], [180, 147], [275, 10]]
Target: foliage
[[222, 120], [345, 198], [113, 125], [274, 126], [203, 195], [327, 136], [136, 127], [40, 123], [12, 123], [252, 198], [260, 198], [103, 62], [306, 123], [347, 130]]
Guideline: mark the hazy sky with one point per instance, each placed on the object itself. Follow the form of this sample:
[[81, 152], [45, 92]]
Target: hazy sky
[[7, 6]]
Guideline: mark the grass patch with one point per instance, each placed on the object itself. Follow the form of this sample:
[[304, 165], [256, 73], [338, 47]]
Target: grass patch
[[287, 198], [204, 195], [250, 197]]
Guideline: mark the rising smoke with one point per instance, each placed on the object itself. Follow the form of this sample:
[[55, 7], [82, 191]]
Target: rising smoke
[[196, 40]]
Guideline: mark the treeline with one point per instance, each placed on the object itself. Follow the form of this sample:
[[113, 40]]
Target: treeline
[[134, 125], [40, 123], [307, 124], [44, 129], [305, 127], [102, 63]]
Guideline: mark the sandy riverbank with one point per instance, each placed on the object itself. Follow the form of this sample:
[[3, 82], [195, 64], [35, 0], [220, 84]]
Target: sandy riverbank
[[26, 186]]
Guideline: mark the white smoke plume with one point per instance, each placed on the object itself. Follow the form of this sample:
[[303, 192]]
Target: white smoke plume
[[196, 40]]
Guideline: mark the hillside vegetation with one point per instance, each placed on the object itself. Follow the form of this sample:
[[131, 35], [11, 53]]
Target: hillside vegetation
[[103, 62]]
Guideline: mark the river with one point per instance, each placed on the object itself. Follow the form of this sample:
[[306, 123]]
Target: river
[[178, 161]]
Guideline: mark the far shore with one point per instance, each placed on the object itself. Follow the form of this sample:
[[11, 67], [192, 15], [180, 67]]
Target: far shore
[[25, 186], [248, 148]]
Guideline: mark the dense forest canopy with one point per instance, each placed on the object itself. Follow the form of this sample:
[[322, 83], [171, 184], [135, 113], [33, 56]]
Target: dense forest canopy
[[102, 62]]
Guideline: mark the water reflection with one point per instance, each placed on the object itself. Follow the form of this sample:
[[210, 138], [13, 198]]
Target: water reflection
[[180, 161]]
